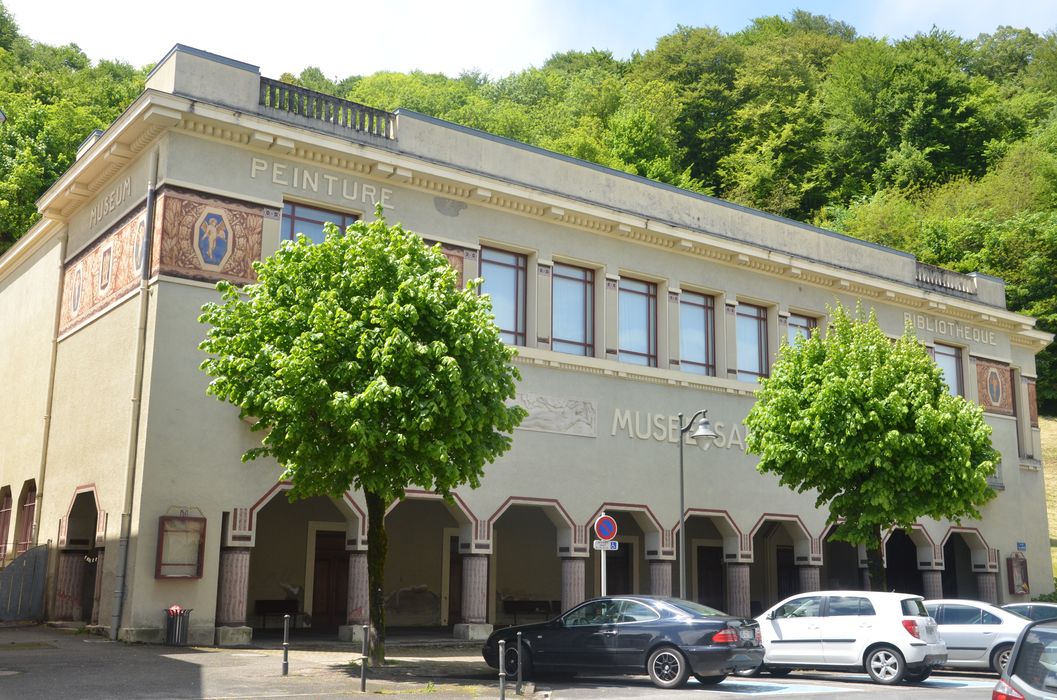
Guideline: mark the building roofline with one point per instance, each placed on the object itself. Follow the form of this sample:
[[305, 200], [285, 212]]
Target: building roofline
[[470, 131], [183, 48]]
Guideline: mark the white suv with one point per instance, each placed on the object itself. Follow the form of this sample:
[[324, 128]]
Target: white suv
[[889, 635]]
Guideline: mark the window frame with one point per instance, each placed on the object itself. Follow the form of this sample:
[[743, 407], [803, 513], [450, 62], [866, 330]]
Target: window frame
[[707, 308], [810, 326], [520, 268], [956, 354], [587, 282], [650, 294], [288, 218], [762, 341]]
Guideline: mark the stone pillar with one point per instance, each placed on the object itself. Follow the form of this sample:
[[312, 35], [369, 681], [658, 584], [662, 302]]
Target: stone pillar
[[810, 578], [660, 577], [474, 598], [97, 590], [738, 594], [987, 587], [359, 600], [932, 582], [68, 584], [574, 581], [233, 597]]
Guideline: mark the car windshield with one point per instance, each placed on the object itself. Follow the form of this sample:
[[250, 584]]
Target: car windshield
[[1036, 661], [689, 606]]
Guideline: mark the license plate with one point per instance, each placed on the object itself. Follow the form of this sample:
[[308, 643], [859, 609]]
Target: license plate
[[746, 634]]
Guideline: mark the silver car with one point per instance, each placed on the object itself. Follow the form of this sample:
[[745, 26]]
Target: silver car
[[978, 635], [1034, 611], [1032, 670]]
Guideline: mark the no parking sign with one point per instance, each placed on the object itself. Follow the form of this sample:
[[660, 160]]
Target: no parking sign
[[605, 527]]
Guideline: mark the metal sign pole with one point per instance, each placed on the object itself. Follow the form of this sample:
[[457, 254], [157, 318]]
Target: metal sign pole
[[603, 572]]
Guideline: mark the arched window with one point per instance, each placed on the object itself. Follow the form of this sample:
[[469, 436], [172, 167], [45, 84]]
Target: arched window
[[27, 509]]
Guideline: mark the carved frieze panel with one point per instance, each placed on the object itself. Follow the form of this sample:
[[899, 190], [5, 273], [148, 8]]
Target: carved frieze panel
[[553, 414]]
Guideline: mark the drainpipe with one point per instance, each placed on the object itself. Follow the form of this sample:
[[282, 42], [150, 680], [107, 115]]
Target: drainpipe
[[42, 470], [137, 396]]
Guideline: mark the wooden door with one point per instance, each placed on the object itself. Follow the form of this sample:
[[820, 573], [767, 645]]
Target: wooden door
[[330, 588]]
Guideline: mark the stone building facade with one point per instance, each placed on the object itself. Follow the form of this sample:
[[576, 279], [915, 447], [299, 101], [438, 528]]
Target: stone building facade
[[630, 302]]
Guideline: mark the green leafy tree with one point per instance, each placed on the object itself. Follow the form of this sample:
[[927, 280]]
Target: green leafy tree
[[869, 425], [366, 367]]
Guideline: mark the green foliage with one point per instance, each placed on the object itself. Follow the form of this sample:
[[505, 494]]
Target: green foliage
[[365, 365], [869, 425], [53, 97]]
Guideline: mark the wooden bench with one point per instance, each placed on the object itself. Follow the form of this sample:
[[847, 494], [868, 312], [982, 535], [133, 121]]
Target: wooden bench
[[277, 608], [545, 608]]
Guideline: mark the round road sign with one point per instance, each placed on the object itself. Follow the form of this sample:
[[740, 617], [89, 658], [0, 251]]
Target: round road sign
[[605, 527]]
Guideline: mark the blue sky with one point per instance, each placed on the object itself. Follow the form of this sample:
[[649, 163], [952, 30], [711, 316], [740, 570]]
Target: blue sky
[[497, 37]]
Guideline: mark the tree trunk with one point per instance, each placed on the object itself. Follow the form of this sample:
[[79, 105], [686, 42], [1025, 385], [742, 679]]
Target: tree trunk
[[875, 564], [377, 548]]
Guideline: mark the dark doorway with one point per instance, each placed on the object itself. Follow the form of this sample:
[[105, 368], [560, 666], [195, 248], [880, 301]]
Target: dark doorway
[[618, 570], [88, 592], [901, 561], [711, 582], [454, 581], [959, 580], [785, 567], [331, 582]]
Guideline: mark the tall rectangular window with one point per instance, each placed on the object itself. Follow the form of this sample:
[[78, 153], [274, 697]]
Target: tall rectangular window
[[504, 281], [301, 218], [5, 522], [801, 326], [638, 322], [697, 333], [573, 310], [752, 342], [24, 537], [949, 359]]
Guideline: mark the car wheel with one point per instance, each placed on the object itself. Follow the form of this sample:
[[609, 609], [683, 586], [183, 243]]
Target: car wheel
[[885, 665], [511, 662], [779, 672], [1000, 657], [668, 668], [917, 676], [710, 680]]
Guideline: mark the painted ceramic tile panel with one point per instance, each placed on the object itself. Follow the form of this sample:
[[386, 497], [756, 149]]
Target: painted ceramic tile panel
[[106, 272], [995, 387], [210, 238]]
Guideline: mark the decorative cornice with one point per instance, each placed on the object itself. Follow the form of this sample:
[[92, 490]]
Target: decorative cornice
[[154, 112]]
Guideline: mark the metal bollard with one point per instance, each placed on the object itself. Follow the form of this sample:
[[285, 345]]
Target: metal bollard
[[363, 658], [286, 644], [502, 669], [517, 688]]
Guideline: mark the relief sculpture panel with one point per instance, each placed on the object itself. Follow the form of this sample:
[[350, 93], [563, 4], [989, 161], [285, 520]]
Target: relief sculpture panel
[[552, 414], [994, 387]]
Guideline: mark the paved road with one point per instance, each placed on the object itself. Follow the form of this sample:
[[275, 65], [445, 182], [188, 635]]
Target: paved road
[[44, 663]]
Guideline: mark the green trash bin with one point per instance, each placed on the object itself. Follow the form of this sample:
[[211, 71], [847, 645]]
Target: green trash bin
[[177, 620]]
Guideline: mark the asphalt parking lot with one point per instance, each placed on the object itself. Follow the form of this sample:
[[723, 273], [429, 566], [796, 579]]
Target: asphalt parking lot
[[39, 662]]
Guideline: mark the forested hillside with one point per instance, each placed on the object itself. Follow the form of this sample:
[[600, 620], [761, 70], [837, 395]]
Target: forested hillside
[[934, 144]]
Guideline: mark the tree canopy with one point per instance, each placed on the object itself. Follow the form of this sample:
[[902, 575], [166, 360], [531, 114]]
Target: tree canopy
[[909, 141], [365, 367], [869, 425]]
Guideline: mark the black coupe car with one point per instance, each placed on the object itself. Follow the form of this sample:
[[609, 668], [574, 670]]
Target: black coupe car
[[667, 638]]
